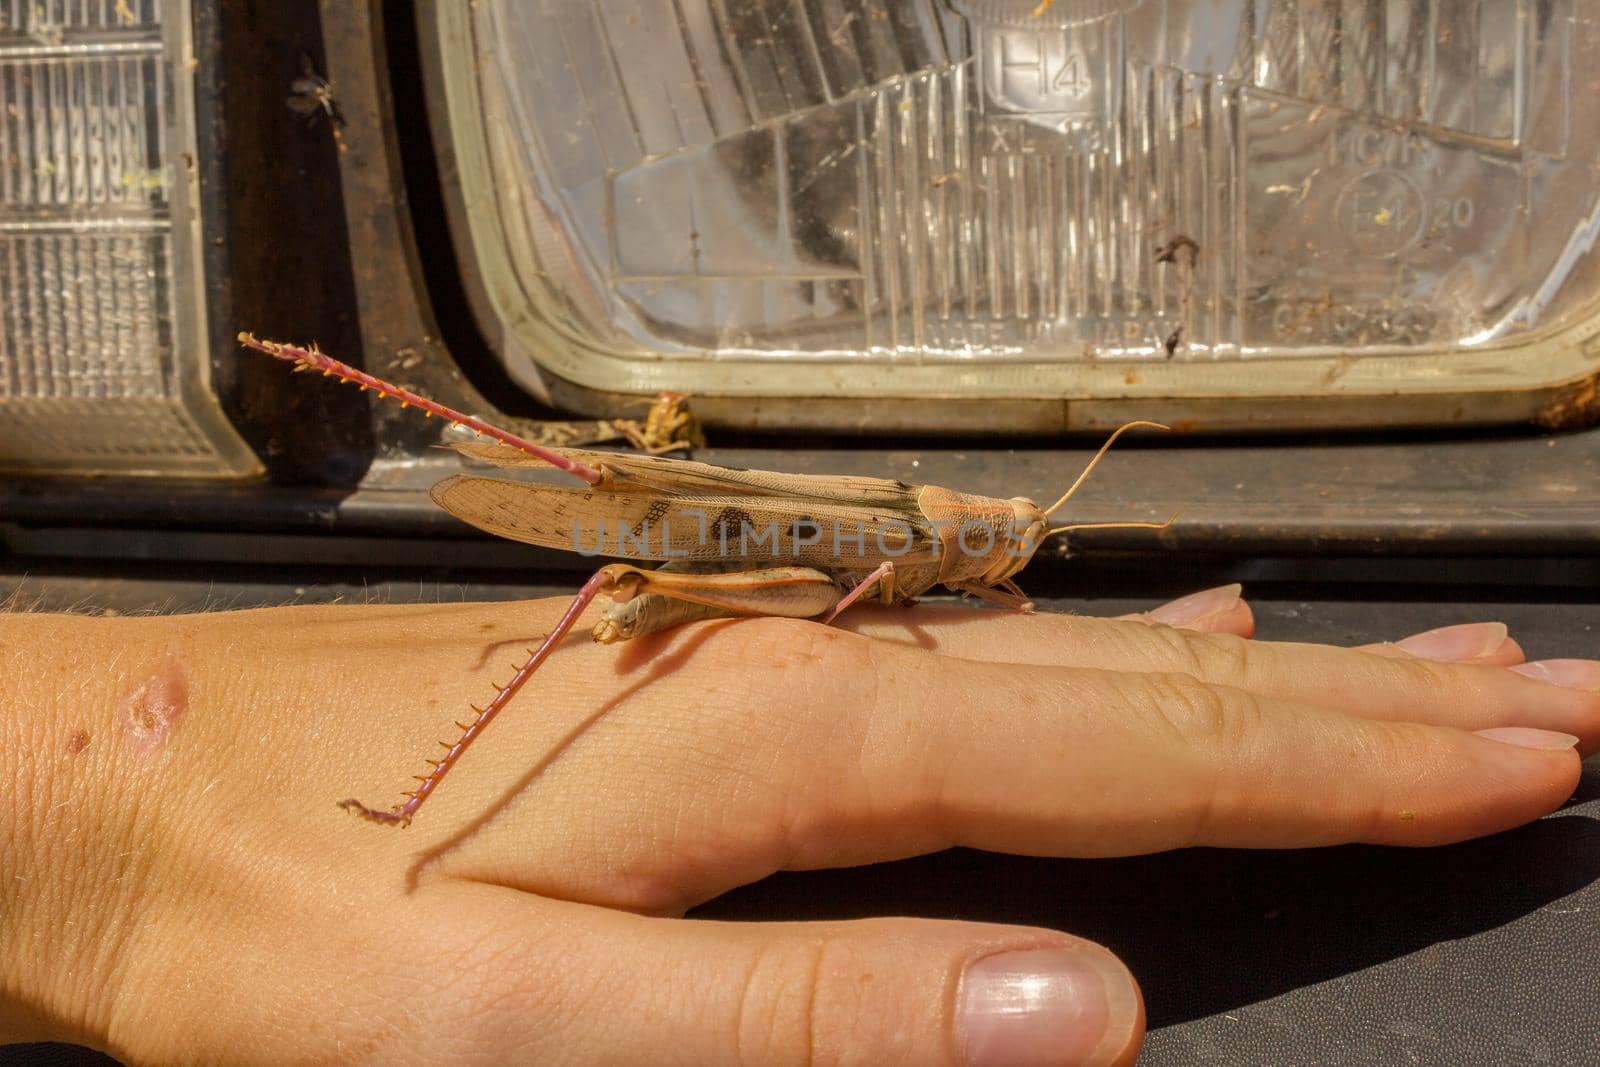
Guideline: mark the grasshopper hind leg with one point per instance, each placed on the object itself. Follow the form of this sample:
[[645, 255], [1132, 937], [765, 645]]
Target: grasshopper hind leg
[[401, 814], [665, 598], [650, 614]]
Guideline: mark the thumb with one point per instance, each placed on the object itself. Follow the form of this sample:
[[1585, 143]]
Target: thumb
[[873, 991]]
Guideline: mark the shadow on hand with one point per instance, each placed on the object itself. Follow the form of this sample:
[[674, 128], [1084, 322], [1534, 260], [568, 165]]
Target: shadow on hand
[[656, 656], [1209, 930]]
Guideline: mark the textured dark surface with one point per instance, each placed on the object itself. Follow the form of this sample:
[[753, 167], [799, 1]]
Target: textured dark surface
[[1479, 953]]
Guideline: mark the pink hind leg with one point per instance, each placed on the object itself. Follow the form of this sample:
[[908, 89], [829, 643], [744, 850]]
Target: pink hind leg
[[305, 359], [400, 814]]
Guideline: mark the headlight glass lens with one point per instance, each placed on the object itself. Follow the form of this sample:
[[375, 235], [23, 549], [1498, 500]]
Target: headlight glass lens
[[969, 197]]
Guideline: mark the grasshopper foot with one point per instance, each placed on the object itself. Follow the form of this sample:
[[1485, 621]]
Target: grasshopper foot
[[387, 818]]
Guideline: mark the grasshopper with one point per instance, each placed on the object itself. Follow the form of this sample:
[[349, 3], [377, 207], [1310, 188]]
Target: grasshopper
[[731, 542]]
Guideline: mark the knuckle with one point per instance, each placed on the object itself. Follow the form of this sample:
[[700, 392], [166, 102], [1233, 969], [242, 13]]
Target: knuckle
[[1416, 677], [1215, 724], [798, 705], [793, 665], [790, 646], [1199, 714], [1225, 658]]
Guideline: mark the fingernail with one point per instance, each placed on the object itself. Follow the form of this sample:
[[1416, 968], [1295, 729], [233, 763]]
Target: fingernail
[[1567, 673], [1196, 606], [1528, 737], [1043, 1007], [1469, 640]]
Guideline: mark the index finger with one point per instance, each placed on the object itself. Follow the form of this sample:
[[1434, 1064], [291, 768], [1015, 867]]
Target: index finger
[[1386, 685]]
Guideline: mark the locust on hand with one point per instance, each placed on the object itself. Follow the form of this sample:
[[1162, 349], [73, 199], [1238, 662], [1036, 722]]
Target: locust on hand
[[729, 542]]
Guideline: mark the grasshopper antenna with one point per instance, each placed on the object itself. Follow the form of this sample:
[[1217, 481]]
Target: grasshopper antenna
[[313, 359], [1095, 462], [1112, 526]]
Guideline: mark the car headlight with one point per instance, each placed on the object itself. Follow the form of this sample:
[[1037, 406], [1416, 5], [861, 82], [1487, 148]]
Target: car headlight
[[104, 361], [1291, 214]]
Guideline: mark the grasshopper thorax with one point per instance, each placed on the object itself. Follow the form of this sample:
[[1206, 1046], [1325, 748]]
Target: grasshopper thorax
[[981, 539]]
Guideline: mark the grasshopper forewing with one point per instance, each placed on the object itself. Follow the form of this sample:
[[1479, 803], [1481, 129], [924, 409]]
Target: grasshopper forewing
[[730, 542]]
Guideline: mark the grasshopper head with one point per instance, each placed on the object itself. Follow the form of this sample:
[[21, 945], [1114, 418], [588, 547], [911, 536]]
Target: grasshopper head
[[1028, 527]]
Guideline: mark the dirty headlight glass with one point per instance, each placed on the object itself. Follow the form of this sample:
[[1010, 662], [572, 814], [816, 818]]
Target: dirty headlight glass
[[1249, 207]]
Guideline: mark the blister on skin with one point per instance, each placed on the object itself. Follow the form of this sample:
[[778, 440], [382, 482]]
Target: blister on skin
[[151, 712]]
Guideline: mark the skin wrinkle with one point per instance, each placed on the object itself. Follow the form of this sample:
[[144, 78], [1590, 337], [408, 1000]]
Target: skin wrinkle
[[741, 1007], [1372, 818], [810, 1015], [869, 745], [1417, 678], [1227, 658], [928, 718], [1180, 703], [1367, 819], [1335, 677], [1377, 817], [796, 814], [751, 1007], [1284, 801], [862, 724], [1172, 703], [1204, 807], [943, 813]]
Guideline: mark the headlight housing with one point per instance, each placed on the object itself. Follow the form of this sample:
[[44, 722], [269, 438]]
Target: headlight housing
[[104, 360], [1287, 214]]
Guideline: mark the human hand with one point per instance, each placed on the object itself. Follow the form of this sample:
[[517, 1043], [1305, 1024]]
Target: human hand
[[180, 886]]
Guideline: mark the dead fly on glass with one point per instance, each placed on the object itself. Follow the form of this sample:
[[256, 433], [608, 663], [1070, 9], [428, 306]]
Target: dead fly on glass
[[312, 94], [730, 542]]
